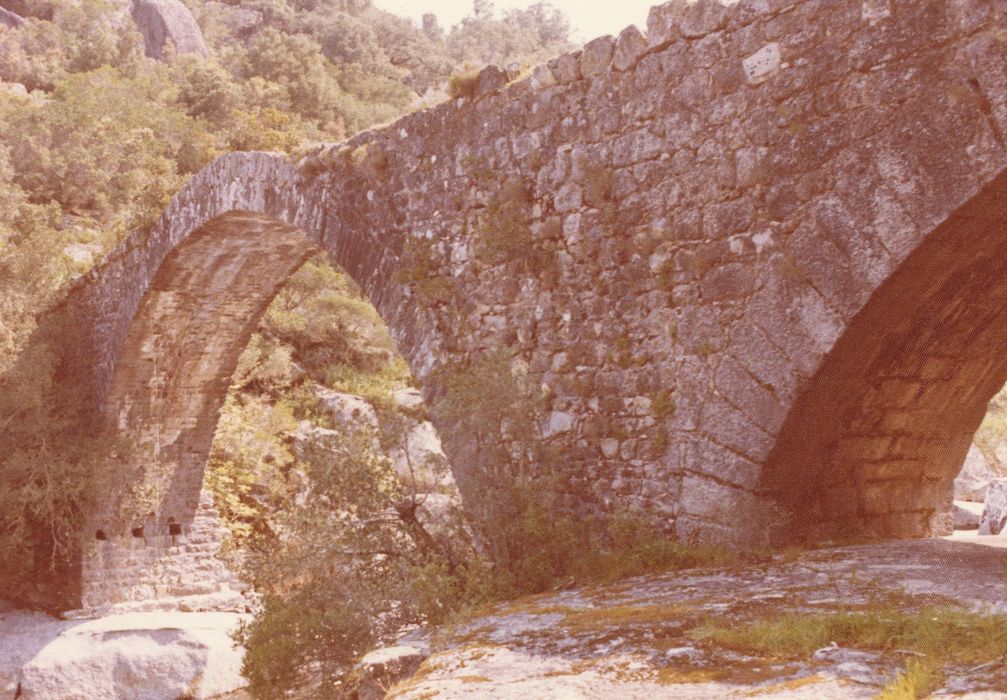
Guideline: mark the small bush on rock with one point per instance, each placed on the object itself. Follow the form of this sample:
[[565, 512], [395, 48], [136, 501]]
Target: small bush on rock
[[463, 84]]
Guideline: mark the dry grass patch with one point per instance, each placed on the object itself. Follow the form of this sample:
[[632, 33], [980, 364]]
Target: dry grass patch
[[916, 681], [944, 633]]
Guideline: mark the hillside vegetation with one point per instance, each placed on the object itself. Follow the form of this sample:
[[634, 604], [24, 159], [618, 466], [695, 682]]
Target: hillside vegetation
[[97, 137]]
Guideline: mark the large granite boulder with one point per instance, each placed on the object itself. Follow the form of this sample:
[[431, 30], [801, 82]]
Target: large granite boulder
[[975, 476], [994, 515], [9, 19], [348, 411], [161, 21], [966, 515], [148, 656]]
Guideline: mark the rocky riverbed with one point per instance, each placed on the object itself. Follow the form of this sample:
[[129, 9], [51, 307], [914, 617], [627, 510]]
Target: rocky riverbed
[[631, 639], [636, 638]]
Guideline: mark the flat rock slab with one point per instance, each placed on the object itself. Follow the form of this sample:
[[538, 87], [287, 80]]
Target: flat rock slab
[[141, 656], [629, 640], [966, 515]]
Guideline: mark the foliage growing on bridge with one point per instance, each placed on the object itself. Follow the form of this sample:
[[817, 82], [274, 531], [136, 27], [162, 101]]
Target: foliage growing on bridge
[[56, 466]]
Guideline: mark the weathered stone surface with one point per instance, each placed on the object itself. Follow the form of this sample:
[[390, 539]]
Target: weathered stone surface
[[13, 89], [662, 23], [967, 515], [629, 47], [975, 476], [596, 56], [9, 19], [29, 8], [147, 656], [807, 279], [994, 515], [422, 453], [348, 410], [762, 64], [409, 399], [491, 79], [542, 77], [382, 668], [164, 21], [701, 17], [580, 643], [162, 572]]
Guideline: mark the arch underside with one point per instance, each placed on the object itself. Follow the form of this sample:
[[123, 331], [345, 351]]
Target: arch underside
[[183, 345], [873, 444]]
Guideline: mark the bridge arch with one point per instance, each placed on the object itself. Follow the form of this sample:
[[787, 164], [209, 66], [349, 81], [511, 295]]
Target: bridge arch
[[872, 445], [690, 239]]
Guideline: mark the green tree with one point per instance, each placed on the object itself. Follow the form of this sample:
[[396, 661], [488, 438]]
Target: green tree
[[338, 572], [103, 146], [295, 63], [521, 36]]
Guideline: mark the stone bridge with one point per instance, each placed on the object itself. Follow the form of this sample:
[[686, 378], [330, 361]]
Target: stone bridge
[[756, 258]]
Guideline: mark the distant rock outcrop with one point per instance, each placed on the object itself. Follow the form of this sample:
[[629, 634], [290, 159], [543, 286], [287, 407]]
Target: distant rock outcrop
[[975, 476], [25, 8], [162, 20], [9, 19], [418, 458], [994, 515], [966, 515]]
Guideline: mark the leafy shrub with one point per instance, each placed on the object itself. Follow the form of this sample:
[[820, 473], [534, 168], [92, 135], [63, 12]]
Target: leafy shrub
[[56, 471], [423, 269], [92, 147], [463, 84]]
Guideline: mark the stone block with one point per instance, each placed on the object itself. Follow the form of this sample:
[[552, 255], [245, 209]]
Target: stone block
[[629, 47], [542, 77], [596, 56], [662, 23], [566, 68], [701, 17], [762, 64]]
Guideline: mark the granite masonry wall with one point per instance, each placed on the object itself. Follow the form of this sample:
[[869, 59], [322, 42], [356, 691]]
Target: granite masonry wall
[[753, 257]]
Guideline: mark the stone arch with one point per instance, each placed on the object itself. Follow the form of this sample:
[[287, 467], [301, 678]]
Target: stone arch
[[704, 224], [166, 317], [177, 358], [872, 445]]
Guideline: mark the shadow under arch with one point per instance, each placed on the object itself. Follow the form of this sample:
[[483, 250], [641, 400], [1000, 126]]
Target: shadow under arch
[[873, 444]]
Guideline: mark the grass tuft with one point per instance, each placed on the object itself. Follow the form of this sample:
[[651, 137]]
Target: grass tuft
[[916, 681], [944, 633]]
